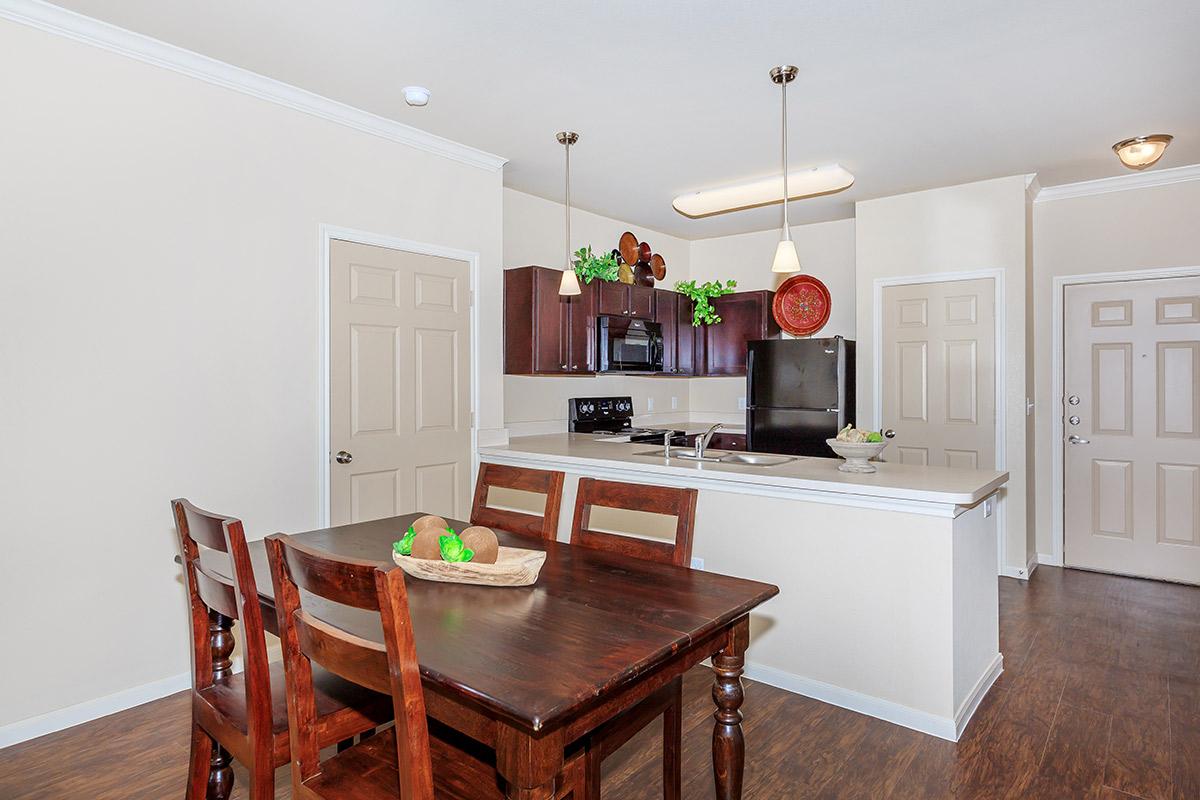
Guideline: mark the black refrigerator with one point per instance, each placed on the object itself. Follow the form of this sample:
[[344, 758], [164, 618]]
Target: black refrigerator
[[799, 392]]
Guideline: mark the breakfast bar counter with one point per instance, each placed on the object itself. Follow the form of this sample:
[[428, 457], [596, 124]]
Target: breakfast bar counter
[[888, 581]]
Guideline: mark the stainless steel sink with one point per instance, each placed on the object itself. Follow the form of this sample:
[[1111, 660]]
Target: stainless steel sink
[[755, 459], [679, 452]]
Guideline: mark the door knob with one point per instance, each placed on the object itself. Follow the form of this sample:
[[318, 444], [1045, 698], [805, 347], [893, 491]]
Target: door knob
[[1073, 439], [889, 434], [343, 457]]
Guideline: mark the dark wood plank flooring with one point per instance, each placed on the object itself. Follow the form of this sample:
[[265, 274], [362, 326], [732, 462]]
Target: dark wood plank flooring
[[1100, 699]]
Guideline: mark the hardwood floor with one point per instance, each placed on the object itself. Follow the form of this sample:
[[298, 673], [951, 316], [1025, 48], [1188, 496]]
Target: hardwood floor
[[1100, 698]]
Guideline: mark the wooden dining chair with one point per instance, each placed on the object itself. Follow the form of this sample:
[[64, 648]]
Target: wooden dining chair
[[667, 702], [244, 715], [405, 761], [547, 482]]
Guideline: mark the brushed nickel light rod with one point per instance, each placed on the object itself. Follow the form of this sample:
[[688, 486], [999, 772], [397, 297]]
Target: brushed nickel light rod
[[786, 258], [570, 282]]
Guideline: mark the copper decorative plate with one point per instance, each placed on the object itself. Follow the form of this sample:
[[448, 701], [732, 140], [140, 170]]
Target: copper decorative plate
[[801, 305]]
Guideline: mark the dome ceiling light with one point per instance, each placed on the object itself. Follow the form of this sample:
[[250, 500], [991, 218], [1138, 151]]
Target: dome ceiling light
[[1141, 152]]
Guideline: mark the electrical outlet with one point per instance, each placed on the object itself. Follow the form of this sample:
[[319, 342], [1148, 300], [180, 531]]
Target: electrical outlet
[[674, 403], [697, 563], [989, 506], [649, 403], [742, 403]]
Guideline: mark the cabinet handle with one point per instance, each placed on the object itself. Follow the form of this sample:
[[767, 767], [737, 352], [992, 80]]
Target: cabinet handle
[[562, 366]]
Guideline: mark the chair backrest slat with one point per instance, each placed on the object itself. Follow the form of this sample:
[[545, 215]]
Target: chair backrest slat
[[217, 594], [545, 482], [357, 660], [391, 668], [679, 503], [348, 581]]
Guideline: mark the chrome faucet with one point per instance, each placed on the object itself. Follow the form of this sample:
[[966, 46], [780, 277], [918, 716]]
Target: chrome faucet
[[703, 439], [667, 443]]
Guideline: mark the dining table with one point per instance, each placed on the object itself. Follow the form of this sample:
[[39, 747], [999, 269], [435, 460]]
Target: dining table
[[527, 671]]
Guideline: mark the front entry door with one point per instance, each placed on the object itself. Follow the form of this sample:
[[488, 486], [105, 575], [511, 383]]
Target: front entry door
[[938, 361], [399, 364], [1131, 411]]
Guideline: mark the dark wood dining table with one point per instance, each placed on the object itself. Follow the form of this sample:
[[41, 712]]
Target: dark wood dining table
[[529, 670]]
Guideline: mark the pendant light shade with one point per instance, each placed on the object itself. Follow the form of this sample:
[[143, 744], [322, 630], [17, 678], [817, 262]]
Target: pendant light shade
[[570, 282], [786, 257]]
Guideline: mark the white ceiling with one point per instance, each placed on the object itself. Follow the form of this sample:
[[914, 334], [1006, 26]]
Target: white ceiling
[[673, 95]]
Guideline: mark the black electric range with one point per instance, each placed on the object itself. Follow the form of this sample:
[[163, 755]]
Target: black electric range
[[613, 416]]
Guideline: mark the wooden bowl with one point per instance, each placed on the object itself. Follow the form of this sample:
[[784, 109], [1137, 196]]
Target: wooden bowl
[[644, 253], [642, 276], [514, 567]]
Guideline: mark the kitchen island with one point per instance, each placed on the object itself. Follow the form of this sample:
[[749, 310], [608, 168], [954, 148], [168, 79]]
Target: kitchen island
[[888, 589]]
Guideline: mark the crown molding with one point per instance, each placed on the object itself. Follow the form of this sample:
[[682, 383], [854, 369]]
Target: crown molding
[[1120, 183], [57, 20]]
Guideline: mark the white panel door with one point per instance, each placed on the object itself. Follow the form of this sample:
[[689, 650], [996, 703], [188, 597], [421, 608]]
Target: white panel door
[[1131, 415], [938, 361], [400, 388]]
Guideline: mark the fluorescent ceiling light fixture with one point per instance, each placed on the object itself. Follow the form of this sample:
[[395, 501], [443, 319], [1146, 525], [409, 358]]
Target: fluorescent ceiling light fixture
[[803, 183]]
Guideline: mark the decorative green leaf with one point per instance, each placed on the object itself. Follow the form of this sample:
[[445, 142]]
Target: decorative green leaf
[[453, 550], [589, 266], [404, 546], [702, 295]]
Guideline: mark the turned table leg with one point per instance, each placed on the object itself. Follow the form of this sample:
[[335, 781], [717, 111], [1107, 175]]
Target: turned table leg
[[728, 744], [220, 638]]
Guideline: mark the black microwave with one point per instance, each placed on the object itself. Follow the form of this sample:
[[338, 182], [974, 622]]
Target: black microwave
[[629, 345]]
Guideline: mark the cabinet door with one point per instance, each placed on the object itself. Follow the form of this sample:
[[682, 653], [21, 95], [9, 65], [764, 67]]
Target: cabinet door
[[666, 314], [549, 323], [581, 333], [725, 343], [728, 441], [613, 298], [641, 302], [685, 337]]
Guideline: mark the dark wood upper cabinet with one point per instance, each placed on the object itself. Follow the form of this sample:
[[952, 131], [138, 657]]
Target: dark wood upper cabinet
[[674, 312], [745, 316], [623, 300], [546, 333]]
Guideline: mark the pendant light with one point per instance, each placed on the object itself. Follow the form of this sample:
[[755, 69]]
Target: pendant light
[[786, 258], [570, 282]]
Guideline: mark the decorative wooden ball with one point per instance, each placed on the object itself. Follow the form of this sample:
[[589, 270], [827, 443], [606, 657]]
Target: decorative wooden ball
[[482, 542], [430, 521], [425, 543]]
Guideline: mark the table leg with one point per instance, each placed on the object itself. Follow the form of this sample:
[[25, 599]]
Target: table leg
[[221, 640], [530, 766], [728, 744]]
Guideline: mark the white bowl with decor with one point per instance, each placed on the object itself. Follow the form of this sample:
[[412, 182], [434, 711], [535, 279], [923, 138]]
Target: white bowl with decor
[[857, 454]]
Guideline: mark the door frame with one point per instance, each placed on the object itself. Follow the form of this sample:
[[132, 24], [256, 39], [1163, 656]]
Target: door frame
[[326, 234], [997, 276], [1057, 380]]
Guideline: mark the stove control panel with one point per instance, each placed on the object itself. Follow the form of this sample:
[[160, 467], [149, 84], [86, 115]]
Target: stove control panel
[[600, 409]]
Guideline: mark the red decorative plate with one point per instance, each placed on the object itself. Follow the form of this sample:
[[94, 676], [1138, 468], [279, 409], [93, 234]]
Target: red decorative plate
[[801, 305]]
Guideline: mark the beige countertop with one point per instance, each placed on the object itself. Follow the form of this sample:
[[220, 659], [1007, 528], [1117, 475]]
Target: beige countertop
[[894, 485]]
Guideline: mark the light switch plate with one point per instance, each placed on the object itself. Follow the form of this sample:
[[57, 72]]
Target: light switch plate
[[649, 403], [989, 506], [674, 403], [742, 403]]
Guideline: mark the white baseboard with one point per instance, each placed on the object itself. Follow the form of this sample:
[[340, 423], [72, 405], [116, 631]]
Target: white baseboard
[[1021, 573], [1049, 560], [923, 721], [972, 701], [26, 729], [1031, 565]]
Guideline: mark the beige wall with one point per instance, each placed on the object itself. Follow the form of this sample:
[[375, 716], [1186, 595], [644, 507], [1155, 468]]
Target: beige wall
[[976, 226], [826, 251], [159, 314], [533, 234], [1115, 232]]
